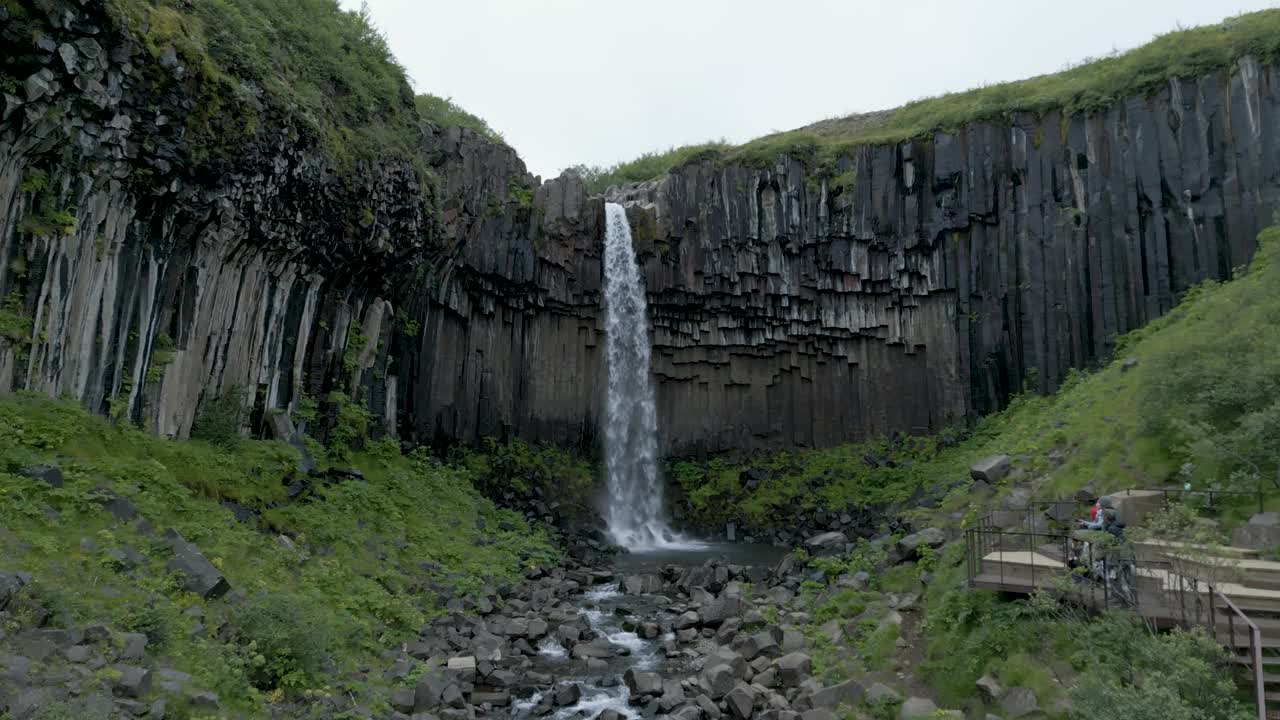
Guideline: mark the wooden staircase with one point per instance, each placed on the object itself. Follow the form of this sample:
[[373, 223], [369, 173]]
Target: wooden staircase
[[1230, 592]]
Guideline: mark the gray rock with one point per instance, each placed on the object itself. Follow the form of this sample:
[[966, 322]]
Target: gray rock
[[642, 683], [10, 584], [828, 540], [793, 668], [39, 84], [708, 707], [428, 693], [403, 700], [761, 643], [990, 469], [567, 694], [688, 712], [119, 507], [932, 537], [1018, 702], [202, 699], [198, 574], [686, 619], [47, 474], [717, 680], [131, 681], [452, 697], [879, 693], [133, 646], [989, 689], [818, 714], [848, 693], [741, 702], [916, 708]]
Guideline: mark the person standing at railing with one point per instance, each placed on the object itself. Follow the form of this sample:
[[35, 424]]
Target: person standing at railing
[[1097, 514]]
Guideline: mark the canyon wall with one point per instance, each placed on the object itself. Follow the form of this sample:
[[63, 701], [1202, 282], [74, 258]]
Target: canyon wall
[[929, 280], [455, 298]]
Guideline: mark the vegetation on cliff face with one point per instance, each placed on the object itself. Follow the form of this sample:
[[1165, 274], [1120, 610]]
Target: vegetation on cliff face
[[365, 563], [1085, 88], [316, 68], [445, 113]]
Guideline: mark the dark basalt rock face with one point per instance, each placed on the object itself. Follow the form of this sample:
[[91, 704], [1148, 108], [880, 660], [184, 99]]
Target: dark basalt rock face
[[920, 286]]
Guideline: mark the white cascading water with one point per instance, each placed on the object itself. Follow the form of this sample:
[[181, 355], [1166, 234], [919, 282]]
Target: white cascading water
[[631, 430]]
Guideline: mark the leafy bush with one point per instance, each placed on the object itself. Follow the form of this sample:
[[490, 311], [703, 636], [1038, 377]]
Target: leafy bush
[[220, 420], [329, 71], [1130, 672], [284, 637], [443, 112], [546, 472]]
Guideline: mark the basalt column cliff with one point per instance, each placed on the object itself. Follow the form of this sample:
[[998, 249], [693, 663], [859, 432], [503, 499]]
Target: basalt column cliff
[[455, 298], [936, 277]]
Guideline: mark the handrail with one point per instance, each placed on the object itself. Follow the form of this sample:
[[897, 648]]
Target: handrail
[[986, 537], [1255, 646]]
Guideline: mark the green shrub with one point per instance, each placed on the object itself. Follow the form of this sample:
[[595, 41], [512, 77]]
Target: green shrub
[[284, 638], [444, 113], [220, 420], [1130, 672]]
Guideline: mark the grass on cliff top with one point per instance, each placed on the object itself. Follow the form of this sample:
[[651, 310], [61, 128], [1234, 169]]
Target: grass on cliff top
[[1087, 87], [372, 553], [445, 113], [1201, 405]]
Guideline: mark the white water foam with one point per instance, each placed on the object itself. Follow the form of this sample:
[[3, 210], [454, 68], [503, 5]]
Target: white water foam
[[634, 514]]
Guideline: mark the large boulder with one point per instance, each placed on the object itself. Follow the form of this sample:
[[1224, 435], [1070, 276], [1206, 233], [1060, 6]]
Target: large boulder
[[1018, 702], [989, 689], [10, 584], [848, 693], [834, 540], [1260, 533], [990, 469], [916, 708], [762, 643], [741, 701], [793, 668], [198, 574], [642, 684], [910, 545], [717, 680]]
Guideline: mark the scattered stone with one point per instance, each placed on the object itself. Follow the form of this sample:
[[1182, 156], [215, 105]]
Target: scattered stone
[[989, 689], [567, 694], [916, 708], [48, 474], [717, 680], [1128, 364], [133, 681], [818, 714], [793, 668], [762, 643], [828, 540], [198, 574], [1018, 702], [642, 684], [403, 700], [990, 470], [10, 584], [134, 646], [879, 693], [848, 693], [741, 701], [119, 507], [932, 537]]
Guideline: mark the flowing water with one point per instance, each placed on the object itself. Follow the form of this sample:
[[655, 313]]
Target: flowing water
[[634, 513]]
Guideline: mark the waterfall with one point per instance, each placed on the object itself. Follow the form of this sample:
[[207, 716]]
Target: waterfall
[[634, 512]]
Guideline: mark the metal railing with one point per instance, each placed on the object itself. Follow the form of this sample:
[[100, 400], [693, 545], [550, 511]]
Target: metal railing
[[1210, 496], [1196, 613], [1097, 578], [1109, 579]]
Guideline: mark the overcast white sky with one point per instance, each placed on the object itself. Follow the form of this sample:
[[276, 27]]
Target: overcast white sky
[[598, 81]]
